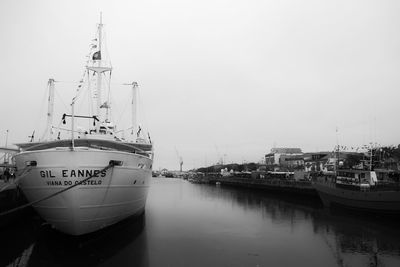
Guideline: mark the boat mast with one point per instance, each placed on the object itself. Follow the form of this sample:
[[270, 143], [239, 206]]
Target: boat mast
[[134, 107], [99, 76], [337, 152], [6, 155], [6, 137], [73, 124], [98, 65], [370, 158], [50, 108]]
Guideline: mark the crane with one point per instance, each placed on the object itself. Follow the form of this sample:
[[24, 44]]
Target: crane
[[220, 158], [180, 160]]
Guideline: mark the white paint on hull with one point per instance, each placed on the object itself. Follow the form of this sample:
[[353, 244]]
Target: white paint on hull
[[105, 200]]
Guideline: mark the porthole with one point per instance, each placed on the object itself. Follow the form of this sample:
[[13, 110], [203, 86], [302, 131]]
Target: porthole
[[31, 163]]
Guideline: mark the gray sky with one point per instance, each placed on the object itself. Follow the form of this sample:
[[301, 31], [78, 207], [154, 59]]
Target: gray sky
[[218, 78]]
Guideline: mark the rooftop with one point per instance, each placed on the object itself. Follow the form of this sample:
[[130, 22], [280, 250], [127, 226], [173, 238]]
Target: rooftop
[[286, 150]]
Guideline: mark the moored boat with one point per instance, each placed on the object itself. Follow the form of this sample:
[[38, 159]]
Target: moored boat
[[91, 178], [366, 190]]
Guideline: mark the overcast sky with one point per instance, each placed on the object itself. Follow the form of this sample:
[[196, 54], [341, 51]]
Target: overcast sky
[[218, 78]]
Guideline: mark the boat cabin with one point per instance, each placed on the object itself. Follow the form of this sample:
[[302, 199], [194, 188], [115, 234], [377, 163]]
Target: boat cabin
[[360, 178]]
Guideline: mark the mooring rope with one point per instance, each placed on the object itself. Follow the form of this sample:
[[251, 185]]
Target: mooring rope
[[110, 165]]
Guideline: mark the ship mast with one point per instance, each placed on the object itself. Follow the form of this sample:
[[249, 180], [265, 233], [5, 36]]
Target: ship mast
[[99, 66], [50, 108], [370, 157], [99, 77], [134, 107]]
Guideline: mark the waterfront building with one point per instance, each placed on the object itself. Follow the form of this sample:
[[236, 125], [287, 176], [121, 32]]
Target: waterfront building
[[284, 158], [315, 161]]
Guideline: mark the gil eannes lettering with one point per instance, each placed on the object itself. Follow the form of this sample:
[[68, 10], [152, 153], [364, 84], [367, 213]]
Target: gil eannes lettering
[[79, 173]]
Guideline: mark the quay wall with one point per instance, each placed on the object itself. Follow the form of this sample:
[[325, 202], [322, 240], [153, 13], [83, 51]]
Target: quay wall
[[303, 187]]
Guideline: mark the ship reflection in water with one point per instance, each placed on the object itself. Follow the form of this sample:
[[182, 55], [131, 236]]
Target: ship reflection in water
[[203, 225], [34, 244]]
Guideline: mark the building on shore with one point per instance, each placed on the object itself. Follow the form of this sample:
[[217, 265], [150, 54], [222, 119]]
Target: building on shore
[[284, 158], [290, 159], [315, 161]]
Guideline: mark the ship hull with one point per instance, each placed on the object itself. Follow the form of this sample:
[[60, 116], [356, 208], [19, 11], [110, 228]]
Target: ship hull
[[107, 198], [372, 201]]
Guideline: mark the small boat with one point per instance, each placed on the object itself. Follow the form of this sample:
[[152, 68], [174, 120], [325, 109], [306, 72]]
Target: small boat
[[90, 178], [366, 190]]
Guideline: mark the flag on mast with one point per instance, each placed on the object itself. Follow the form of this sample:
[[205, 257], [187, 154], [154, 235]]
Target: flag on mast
[[97, 56], [105, 105]]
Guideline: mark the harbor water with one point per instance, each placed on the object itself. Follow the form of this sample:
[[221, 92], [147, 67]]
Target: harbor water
[[207, 225]]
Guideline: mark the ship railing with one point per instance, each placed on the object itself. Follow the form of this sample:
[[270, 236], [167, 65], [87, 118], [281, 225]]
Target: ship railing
[[371, 188], [325, 179]]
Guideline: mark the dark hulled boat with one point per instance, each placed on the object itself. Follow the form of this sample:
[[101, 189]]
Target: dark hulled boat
[[374, 191]]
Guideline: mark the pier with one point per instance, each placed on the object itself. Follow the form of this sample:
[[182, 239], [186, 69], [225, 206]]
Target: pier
[[276, 185], [260, 181]]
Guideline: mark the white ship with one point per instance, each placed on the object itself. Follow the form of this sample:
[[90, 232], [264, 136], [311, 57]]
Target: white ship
[[91, 178]]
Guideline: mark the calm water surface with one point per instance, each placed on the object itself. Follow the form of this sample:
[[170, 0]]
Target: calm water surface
[[203, 225]]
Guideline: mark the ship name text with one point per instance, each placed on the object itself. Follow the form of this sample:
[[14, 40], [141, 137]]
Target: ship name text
[[79, 173]]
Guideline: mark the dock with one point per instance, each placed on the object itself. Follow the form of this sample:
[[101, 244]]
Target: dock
[[276, 185]]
